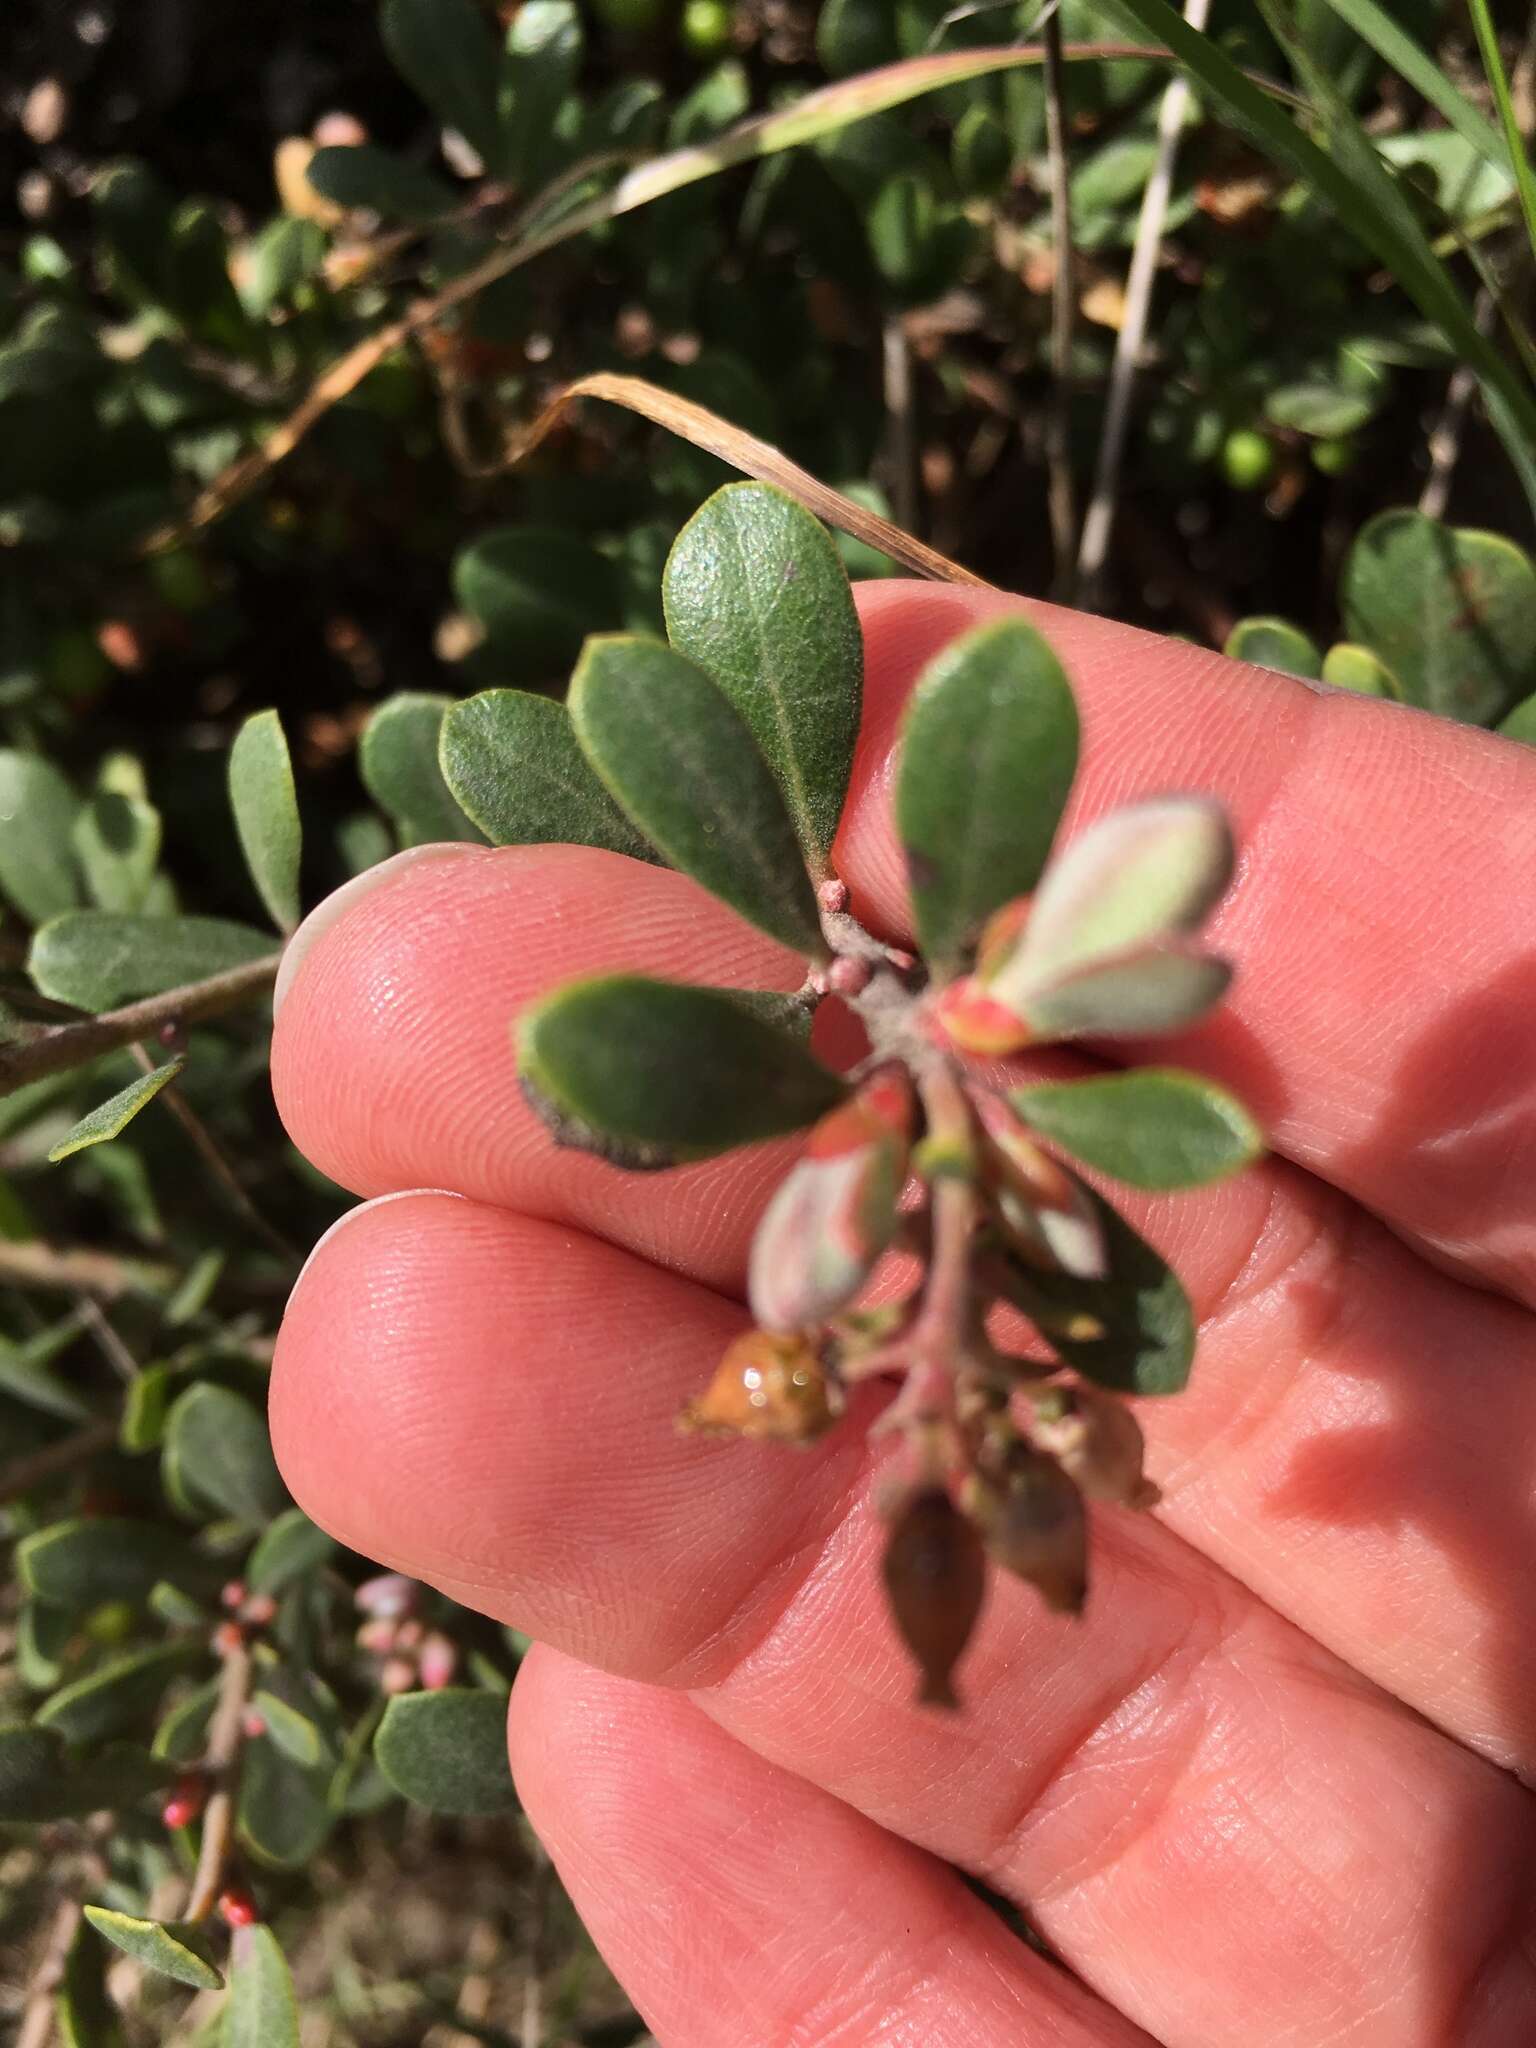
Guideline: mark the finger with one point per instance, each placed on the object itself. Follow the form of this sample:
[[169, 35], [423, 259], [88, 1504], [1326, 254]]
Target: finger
[[738, 1905], [484, 1400], [1380, 1019]]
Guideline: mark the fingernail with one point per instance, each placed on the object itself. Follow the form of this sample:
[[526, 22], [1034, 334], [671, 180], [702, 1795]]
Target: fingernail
[[365, 1209], [340, 901]]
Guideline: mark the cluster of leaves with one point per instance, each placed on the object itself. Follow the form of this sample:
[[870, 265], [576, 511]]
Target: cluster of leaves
[[1439, 616]]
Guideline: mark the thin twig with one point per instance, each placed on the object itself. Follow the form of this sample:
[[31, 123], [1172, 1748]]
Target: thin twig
[[23, 1474], [1094, 546], [40, 2011], [226, 1738], [63, 1046], [896, 369], [1061, 495], [80, 1270], [212, 1156], [108, 1342]]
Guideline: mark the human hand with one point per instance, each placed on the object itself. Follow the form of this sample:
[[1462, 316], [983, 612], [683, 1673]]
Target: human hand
[[1267, 1790]]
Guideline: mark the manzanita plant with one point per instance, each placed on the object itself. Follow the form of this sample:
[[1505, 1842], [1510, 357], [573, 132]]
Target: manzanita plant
[[933, 1233]]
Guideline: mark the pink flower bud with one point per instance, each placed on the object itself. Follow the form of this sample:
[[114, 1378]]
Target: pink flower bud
[[439, 1662], [767, 1387], [848, 977], [233, 1595], [832, 895], [389, 1594], [1097, 1442], [936, 1580], [254, 1726], [397, 1675], [377, 1637], [1046, 1216], [835, 1212], [1032, 1523], [260, 1610], [409, 1635]]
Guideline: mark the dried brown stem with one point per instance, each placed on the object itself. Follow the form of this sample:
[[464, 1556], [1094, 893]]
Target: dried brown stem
[[79, 1270], [226, 1737], [62, 1046]]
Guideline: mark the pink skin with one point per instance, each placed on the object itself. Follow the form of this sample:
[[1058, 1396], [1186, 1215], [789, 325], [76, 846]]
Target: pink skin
[[1268, 1790]]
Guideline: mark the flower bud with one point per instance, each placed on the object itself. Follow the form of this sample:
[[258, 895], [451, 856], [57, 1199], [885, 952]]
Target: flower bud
[[935, 1579], [390, 1594], [1046, 1216], [768, 1387], [397, 1675], [1097, 1442], [835, 1212], [260, 1610], [377, 1636], [185, 1801], [253, 1726], [237, 1906], [1032, 1523], [439, 1661]]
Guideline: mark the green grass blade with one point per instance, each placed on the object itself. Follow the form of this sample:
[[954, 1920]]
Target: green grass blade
[[1493, 64], [1392, 42]]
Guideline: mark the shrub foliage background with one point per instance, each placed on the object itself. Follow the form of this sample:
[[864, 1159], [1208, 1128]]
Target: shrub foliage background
[[208, 208]]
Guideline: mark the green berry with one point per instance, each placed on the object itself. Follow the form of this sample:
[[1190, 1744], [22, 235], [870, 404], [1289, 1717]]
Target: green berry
[[1335, 458], [706, 26], [1247, 459]]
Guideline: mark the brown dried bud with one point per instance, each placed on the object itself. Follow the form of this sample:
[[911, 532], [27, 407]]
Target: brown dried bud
[[835, 1212], [1032, 1523], [935, 1579], [768, 1387], [1097, 1442]]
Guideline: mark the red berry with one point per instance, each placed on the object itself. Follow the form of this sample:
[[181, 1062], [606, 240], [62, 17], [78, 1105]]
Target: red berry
[[254, 1726], [228, 1637], [237, 1906], [185, 1801]]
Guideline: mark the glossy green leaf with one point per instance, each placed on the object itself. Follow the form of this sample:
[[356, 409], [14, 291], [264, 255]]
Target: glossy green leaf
[[291, 1548], [169, 1948], [111, 1118], [543, 55], [684, 765], [653, 1073], [756, 593], [115, 1694], [397, 758], [1143, 1327], [537, 592], [117, 843], [363, 175], [80, 1563], [447, 1750], [266, 808], [37, 819], [262, 2011], [283, 1814], [1348, 667], [1450, 612], [96, 959], [223, 1451], [444, 49], [1154, 1127], [513, 764], [988, 753], [1274, 643]]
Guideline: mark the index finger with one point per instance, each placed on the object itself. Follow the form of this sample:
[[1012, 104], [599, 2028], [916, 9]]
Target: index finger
[[1380, 1021]]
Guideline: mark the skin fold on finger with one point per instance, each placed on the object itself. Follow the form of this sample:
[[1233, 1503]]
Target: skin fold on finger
[[485, 1400], [1380, 1020], [743, 1908]]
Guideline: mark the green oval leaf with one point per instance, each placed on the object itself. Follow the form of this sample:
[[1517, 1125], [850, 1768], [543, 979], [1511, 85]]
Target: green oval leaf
[[537, 592], [283, 1815], [1451, 613], [512, 763], [1348, 667], [266, 809], [988, 753], [117, 1693], [652, 1073], [223, 1454], [169, 1948], [756, 593], [447, 1750], [685, 767], [37, 820], [397, 759], [96, 959], [111, 1118], [538, 69], [82, 1563], [362, 174], [293, 1732], [1155, 1127], [1145, 1340], [444, 49], [117, 843], [290, 1549], [1276, 644], [261, 2011]]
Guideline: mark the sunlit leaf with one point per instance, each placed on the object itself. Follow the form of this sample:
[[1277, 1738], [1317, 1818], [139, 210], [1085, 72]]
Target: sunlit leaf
[[224, 1454], [262, 2011], [447, 1750], [96, 959], [116, 840], [757, 595], [169, 1948], [1274, 643], [289, 1549], [117, 1693], [1348, 667], [266, 809], [444, 49], [652, 1073], [111, 1118], [397, 758], [283, 1815], [1154, 1127], [512, 762], [37, 818], [685, 767]]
